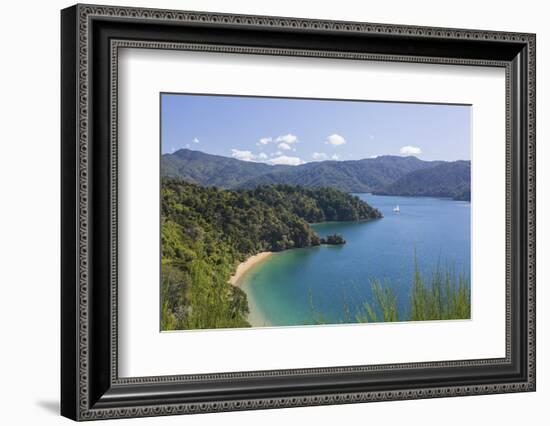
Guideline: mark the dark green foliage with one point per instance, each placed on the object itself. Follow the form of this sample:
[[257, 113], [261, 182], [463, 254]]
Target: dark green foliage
[[207, 231], [333, 239], [315, 204], [444, 180]]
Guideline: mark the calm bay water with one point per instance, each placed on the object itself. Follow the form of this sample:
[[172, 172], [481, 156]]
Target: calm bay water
[[296, 287]]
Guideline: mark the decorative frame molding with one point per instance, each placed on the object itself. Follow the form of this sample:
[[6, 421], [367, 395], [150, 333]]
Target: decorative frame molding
[[91, 388]]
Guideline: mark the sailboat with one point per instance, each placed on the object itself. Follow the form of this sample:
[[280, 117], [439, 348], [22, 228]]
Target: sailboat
[[396, 209]]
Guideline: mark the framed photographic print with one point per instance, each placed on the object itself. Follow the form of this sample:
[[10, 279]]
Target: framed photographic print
[[263, 212]]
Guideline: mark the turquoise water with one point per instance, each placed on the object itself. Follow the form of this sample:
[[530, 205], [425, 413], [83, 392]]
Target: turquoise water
[[294, 287]]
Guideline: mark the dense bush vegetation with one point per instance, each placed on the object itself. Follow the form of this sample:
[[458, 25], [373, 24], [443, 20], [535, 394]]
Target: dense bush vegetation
[[207, 231], [314, 204], [333, 239]]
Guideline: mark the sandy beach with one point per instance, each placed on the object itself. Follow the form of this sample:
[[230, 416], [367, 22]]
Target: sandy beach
[[246, 265]]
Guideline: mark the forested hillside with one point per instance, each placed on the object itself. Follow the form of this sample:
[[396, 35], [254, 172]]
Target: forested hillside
[[445, 180], [212, 170], [365, 175], [207, 231], [386, 175]]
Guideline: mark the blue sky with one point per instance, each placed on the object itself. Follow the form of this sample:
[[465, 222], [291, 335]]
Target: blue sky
[[297, 131]]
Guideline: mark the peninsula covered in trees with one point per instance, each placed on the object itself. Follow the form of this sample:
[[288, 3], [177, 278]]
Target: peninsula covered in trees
[[207, 231]]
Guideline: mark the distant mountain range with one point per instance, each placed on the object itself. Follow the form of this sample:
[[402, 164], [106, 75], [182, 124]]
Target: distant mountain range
[[385, 175], [444, 180]]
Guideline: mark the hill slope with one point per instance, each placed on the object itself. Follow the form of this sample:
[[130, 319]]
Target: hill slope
[[212, 170], [444, 180], [350, 176], [206, 231], [367, 175]]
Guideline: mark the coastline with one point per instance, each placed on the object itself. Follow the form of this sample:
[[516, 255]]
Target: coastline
[[247, 265]]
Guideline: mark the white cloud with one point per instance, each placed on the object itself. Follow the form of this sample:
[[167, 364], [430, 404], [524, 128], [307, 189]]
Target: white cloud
[[284, 146], [242, 155], [187, 146], [335, 140], [262, 156], [276, 154], [196, 140], [335, 157], [288, 138], [290, 161], [265, 141], [319, 155], [410, 150], [373, 156]]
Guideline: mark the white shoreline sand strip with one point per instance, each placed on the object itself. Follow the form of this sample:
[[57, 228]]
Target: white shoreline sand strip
[[246, 265]]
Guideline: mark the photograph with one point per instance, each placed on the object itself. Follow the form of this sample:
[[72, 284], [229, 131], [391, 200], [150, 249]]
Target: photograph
[[278, 212]]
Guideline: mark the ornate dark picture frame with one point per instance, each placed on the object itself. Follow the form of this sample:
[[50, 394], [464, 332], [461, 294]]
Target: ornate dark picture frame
[[91, 37]]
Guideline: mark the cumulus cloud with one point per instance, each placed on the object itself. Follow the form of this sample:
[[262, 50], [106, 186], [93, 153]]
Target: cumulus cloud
[[335, 140], [288, 138], [284, 146], [319, 156], [196, 140], [187, 146], [286, 160], [265, 141], [276, 154], [262, 156], [242, 155], [410, 150], [335, 157]]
